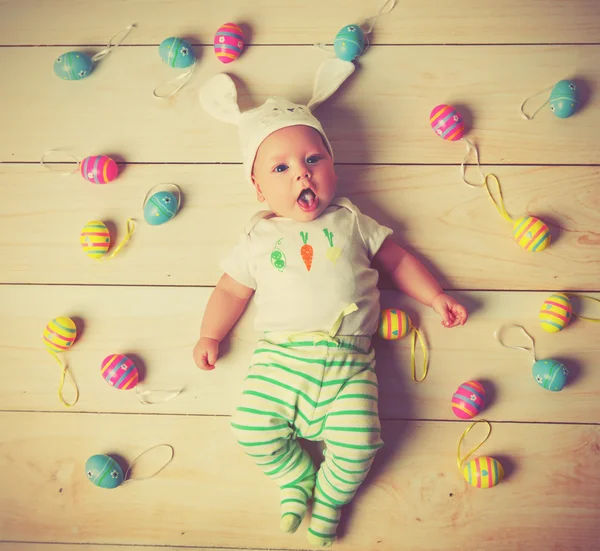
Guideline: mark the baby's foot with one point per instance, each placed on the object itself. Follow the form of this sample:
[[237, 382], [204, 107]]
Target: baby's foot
[[294, 498], [323, 524]]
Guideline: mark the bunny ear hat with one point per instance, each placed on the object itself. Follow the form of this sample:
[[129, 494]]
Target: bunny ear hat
[[218, 97]]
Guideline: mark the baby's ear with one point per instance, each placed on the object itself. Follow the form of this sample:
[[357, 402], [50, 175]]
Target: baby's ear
[[330, 76], [218, 97]]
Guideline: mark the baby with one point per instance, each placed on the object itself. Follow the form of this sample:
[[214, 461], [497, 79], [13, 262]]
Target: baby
[[311, 262]]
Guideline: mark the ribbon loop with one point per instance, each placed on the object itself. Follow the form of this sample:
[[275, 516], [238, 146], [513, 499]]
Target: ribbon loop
[[595, 320], [471, 149], [500, 204], [140, 456], [530, 117], [416, 333], [64, 373], [497, 335], [460, 461], [183, 77], [168, 395], [51, 167], [110, 47], [369, 24], [130, 228]]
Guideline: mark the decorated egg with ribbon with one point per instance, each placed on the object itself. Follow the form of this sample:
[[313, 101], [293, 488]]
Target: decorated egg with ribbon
[[161, 204], [447, 122], [119, 372], [556, 313], [468, 400], [95, 239], [349, 42], [104, 471], [550, 374], [73, 65], [531, 233], [176, 52], [98, 169], [483, 472], [563, 99], [228, 42], [394, 324], [60, 334]]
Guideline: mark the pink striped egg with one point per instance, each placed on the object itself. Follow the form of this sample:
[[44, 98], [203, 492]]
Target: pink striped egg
[[98, 169], [119, 372], [447, 122], [229, 42], [468, 400]]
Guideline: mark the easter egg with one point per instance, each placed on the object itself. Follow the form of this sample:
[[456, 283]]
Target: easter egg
[[95, 239], [160, 208], [229, 42], [483, 472], [176, 52], [59, 334], [119, 372], [73, 65], [394, 324], [468, 400], [447, 123], [556, 313], [550, 374], [349, 43], [104, 471], [531, 233], [98, 169], [563, 99]]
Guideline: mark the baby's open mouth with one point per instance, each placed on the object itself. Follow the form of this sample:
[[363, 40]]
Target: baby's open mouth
[[307, 200]]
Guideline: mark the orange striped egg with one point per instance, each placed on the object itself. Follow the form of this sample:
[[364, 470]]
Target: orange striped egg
[[394, 324], [229, 42], [531, 233], [468, 400], [60, 334], [483, 472], [119, 372], [556, 313], [447, 122], [95, 239]]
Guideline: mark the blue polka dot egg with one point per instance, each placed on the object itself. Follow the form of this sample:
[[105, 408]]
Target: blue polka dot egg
[[563, 99], [73, 66], [160, 208], [349, 43], [550, 374], [176, 52], [104, 471]]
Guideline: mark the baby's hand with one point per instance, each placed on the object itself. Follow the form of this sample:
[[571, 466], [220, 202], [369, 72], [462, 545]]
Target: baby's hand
[[451, 312], [206, 353]]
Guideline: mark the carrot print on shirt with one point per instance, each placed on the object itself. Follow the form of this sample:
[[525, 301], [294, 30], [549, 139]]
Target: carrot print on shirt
[[306, 251], [333, 253]]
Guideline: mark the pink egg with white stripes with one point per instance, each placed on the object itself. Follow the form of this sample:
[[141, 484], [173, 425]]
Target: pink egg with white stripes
[[468, 400], [119, 372], [447, 123], [229, 42], [98, 169]]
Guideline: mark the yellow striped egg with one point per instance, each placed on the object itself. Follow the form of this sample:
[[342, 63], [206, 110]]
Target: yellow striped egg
[[483, 472], [556, 313], [60, 334], [95, 239], [531, 233], [394, 324]]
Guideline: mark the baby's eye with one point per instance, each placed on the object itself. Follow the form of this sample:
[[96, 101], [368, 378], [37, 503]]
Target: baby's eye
[[281, 168], [313, 159]]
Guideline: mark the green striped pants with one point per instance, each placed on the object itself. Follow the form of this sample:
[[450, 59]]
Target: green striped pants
[[322, 390]]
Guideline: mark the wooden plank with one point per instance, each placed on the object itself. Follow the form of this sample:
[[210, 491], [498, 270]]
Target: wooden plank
[[271, 22], [37, 546], [379, 116], [158, 328], [211, 495], [452, 227]]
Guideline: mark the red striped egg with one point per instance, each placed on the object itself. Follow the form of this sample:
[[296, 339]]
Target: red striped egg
[[119, 372], [229, 42], [98, 169], [394, 324], [468, 400], [483, 472], [447, 122]]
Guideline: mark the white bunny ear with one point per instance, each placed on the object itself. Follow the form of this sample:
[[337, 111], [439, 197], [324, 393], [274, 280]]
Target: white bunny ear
[[330, 76], [218, 97]]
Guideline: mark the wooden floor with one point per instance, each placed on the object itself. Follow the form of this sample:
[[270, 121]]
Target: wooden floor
[[483, 57]]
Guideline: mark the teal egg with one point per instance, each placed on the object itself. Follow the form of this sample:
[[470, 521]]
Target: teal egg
[[349, 42], [176, 52], [563, 99], [550, 374], [104, 471], [160, 208], [73, 65]]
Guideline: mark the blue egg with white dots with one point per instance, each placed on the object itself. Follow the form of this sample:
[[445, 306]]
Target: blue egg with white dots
[[563, 99], [349, 43], [550, 374], [73, 65], [160, 208], [176, 52], [104, 471]]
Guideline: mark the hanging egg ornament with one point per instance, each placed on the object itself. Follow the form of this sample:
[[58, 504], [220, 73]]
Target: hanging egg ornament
[[228, 42], [349, 42], [161, 204], [119, 372], [563, 99], [98, 169], [394, 324], [103, 471], [176, 52], [95, 239], [556, 313], [468, 400], [550, 374], [531, 233], [60, 334], [483, 472], [73, 66], [447, 122]]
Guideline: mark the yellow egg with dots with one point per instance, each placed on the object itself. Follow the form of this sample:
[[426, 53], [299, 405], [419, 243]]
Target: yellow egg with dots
[[556, 313], [95, 239], [531, 233], [60, 334]]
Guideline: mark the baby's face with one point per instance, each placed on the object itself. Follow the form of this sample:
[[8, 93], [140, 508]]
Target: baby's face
[[293, 172]]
